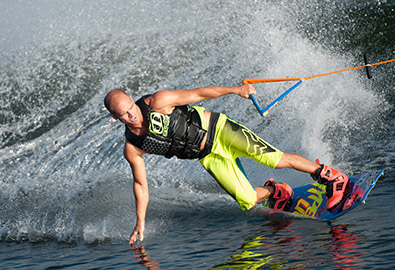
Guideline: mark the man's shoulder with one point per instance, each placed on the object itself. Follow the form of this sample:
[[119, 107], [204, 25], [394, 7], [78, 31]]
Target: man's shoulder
[[131, 151]]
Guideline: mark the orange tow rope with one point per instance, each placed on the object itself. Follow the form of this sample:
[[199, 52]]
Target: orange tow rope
[[266, 110], [252, 81]]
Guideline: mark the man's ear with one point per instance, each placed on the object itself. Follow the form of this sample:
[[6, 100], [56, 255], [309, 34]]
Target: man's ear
[[113, 116]]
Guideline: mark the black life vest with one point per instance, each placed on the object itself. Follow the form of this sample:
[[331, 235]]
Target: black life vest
[[177, 134]]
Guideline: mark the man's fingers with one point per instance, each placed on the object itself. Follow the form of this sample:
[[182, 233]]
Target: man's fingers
[[133, 237], [132, 240], [141, 236], [247, 90], [252, 90]]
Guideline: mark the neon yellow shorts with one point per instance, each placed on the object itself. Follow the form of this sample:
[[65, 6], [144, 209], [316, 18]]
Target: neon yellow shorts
[[232, 140]]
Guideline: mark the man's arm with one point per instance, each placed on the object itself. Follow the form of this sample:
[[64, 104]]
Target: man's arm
[[165, 101], [140, 189]]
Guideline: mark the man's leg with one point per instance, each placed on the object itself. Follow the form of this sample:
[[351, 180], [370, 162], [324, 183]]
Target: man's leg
[[237, 140], [240, 141], [263, 193], [336, 182], [297, 162]]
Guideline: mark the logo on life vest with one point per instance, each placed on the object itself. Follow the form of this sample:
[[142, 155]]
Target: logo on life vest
[[159, 123]]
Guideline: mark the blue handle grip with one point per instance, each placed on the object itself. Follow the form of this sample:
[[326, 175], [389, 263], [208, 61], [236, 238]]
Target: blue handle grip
[[265, 111], [257, 106]]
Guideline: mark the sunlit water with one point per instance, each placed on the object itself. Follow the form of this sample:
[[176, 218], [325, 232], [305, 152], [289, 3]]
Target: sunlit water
[[66, 191]]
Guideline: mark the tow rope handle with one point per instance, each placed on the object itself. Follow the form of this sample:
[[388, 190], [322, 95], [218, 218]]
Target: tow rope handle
[[266, 110]]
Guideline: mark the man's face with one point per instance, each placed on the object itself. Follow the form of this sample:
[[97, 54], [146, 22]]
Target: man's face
[[127, 111]]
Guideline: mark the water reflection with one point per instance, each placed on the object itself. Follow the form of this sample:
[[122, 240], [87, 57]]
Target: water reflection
[[279, 245], [344, 247], [286, 244], [140, 255], [256, 253]]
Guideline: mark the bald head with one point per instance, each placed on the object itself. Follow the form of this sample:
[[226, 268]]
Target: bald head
[[113, 97]]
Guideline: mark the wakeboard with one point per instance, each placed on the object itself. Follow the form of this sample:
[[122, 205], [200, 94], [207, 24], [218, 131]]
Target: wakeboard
[[310, 200]]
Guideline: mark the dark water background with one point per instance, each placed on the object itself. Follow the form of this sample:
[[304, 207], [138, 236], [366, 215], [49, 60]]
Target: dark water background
[[66, 192]]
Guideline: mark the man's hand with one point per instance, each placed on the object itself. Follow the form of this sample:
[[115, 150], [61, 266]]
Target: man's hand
[[246, 90], [138, 231]]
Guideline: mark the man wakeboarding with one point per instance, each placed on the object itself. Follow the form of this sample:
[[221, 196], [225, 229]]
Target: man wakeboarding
[[164, 123]]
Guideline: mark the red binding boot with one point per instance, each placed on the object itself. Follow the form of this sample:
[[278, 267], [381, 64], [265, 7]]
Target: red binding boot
[[281, 196], [337, 184]]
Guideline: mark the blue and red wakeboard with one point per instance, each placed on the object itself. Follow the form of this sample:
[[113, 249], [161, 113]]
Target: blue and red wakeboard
[[310, 200]]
